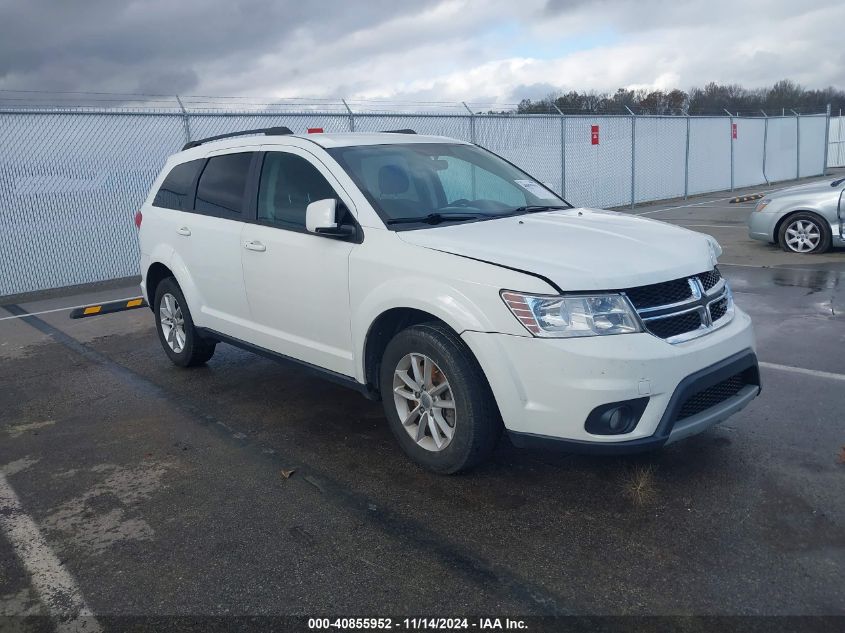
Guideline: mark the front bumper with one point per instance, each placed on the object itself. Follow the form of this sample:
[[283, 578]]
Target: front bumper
[[547, 388], [761, 226]]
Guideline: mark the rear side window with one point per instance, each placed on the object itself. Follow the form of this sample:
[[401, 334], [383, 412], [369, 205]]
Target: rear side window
[[221, 188], [289, 183], [176, 188]]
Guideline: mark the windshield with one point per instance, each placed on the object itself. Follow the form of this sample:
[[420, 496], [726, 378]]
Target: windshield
[[420, 184]]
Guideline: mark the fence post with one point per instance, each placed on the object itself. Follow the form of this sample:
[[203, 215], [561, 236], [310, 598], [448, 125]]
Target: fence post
[[765, 144], [351, 116], [633, 154], [826, 139], [732, 148], [472, 175], [471, 122], [562, 151], [686, 162], [186, 123], [797, 144]]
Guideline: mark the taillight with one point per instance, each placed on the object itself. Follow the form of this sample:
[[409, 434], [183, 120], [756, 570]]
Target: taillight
[[315, 130], [138, 218]]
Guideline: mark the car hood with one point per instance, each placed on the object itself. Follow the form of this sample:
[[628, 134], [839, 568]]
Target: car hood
[[823, 187], [577, 249]]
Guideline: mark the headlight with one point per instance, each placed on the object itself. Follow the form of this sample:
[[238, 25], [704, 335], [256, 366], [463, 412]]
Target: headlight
[[762, 204], [715, 249], [573, 315]]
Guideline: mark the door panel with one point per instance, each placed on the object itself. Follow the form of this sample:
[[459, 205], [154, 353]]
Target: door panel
[[296, 282], [211, 255], [209, 243]]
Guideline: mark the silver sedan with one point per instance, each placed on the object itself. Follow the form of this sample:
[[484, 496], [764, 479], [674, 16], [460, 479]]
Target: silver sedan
[[802, 219]]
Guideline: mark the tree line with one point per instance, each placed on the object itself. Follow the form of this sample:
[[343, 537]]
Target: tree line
[[781, 98]]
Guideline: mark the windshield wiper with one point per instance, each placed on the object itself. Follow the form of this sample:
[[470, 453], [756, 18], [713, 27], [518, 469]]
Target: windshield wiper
[[434, 218]]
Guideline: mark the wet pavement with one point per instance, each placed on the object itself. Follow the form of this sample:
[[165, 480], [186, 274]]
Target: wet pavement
[[162, 491]]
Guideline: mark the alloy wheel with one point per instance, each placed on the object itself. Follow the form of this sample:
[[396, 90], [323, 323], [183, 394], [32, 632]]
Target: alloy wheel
[[172, 322], [424, 401], [803, 236]]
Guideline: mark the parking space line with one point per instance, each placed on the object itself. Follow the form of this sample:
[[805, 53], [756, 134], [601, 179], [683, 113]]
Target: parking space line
[[20, 316], [681, 206], [55, 587], [705, 202], [806, 372]]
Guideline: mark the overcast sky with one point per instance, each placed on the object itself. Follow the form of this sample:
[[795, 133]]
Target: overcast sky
[[428, 50]]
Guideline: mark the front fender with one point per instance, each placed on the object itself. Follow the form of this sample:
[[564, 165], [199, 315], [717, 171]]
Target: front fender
[[820, 210], [461, 292], [450, 305]]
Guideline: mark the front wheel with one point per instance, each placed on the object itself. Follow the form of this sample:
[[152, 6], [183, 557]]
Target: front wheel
[[179, 338], [804, 233], [437, 400]]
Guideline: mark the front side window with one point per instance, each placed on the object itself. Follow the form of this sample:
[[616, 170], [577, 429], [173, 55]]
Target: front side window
[[289, 183], [441, 182], [222, 185], [176, 187]]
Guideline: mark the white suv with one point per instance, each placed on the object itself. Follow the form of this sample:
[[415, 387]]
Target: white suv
[[439, 277]]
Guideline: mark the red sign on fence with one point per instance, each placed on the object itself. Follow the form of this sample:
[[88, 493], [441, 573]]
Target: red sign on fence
[[733, 130], [594, 134]]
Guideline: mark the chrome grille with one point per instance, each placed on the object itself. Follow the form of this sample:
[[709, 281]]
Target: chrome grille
[[718, 309], [682, 309], [659, 294], [710, 279], [675, 325]]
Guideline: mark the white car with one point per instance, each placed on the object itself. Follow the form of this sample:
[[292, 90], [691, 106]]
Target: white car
[[439, 277]]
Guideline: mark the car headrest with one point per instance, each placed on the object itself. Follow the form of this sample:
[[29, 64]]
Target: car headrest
[[392, 180]]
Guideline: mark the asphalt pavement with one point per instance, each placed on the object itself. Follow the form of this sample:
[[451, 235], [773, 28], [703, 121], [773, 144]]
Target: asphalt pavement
[[247, 488]]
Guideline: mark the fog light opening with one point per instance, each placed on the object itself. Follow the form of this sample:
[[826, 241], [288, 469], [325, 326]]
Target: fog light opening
[[616, 418]]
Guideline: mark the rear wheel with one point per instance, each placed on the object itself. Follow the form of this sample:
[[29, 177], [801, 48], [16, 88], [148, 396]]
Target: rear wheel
[[804, 233], [437, 400], [179, 338]]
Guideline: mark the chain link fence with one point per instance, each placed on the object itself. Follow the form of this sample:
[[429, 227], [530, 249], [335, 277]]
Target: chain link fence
[[71, 178]]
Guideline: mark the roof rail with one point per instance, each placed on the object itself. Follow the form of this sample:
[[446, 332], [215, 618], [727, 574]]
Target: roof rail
[[267, 131], [404, 131]]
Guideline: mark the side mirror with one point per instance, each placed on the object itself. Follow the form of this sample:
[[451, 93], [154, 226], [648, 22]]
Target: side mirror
[[321, 219]]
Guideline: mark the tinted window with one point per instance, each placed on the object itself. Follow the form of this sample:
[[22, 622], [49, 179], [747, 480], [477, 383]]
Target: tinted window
[[289, 183], [222, 185], [177, 186]]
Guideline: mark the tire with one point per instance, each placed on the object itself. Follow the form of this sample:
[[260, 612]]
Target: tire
[[190, 349], [473, 418], [809, 234]]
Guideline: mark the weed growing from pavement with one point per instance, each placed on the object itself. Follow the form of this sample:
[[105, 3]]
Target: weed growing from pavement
[[640, 486]]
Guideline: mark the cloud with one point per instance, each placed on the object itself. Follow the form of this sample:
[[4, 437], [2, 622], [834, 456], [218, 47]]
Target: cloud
[[425, 50]]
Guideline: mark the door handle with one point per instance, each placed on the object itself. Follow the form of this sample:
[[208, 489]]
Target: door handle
[[255, 246], [183, 230]]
